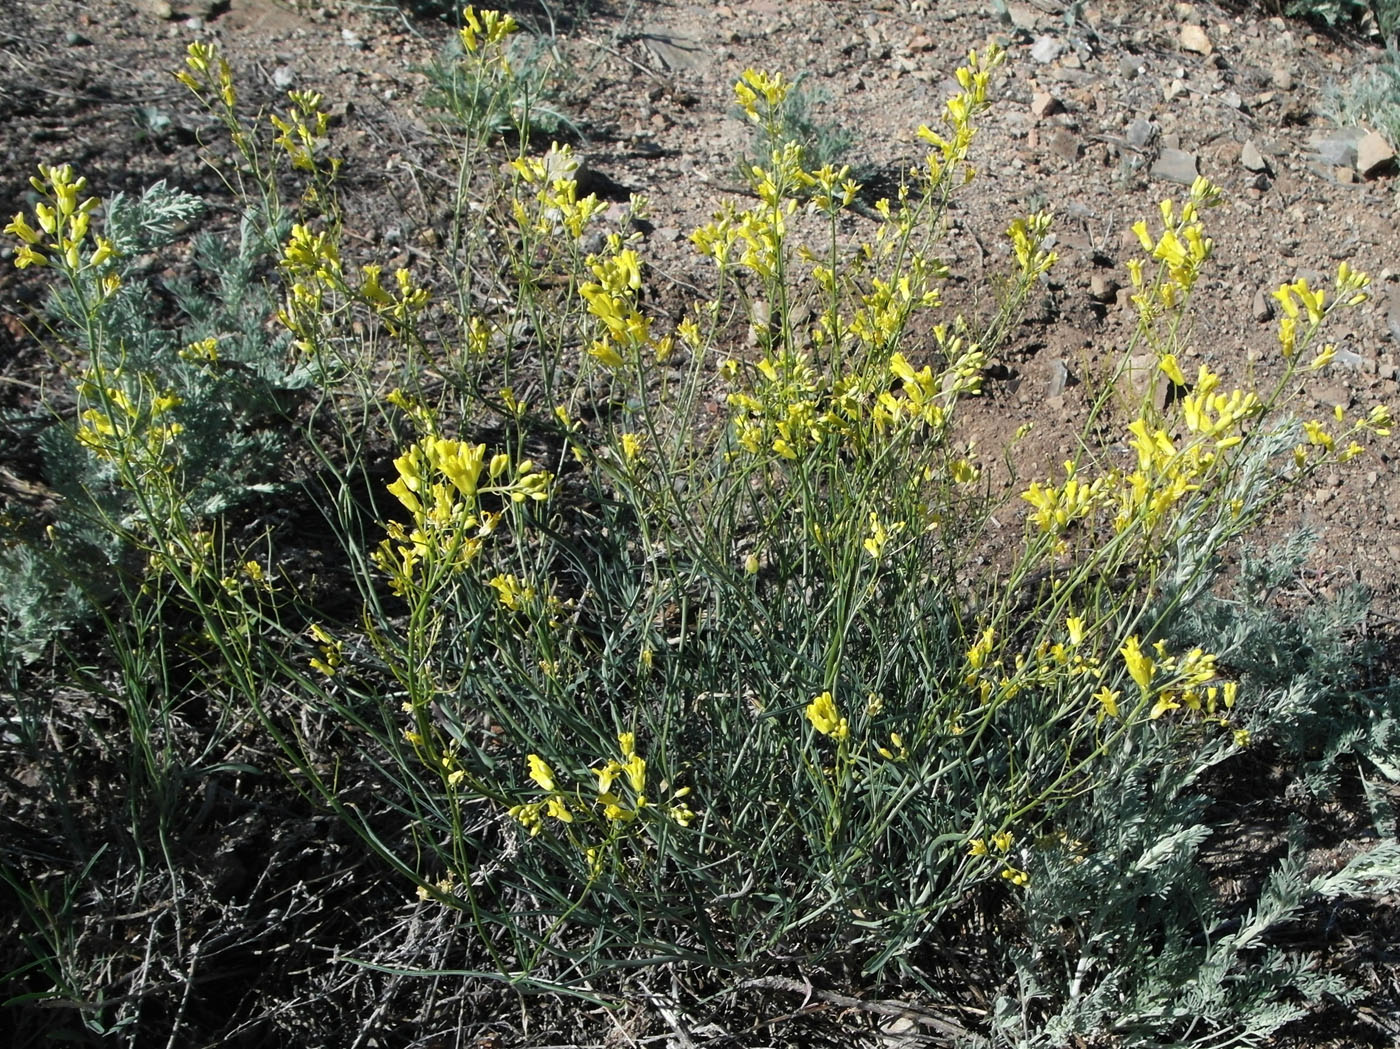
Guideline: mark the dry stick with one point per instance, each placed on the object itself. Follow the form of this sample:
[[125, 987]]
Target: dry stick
[[185, 997], [881, 1008]]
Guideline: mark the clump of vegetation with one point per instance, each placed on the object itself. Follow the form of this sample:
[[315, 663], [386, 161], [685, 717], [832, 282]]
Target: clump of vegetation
[[627, 686]]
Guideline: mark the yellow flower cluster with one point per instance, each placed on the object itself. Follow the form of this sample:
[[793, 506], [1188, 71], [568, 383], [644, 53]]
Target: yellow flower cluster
[[207, 73], [612, 298], [928, 398], [398, 307], [63, 220], [332, 651], [1190, 681], [441, 482], [1167, 470], [486, 29], [826, 719], [133, 432], [952, 146], [302, 133], [1299, 301], [553, 182], [784, 412], [1181, 250], [311, 264], [1000, 843], [1028, 236], [620, 796]]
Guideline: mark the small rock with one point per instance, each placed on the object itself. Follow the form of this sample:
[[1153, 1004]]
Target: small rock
[[1176, 165], [1174, 90], [1046, 50], [1065, 145], [1251, 159], [283, 78], [1022, 16], [1374, 155], [1060, 377], [1338, 147], [1129, 67], [1194, 39], [161, 9], [1282, 79], [1352, 361], [1044, 104], [351, 39], [1344, 174], [1145, 379], [1233, 99], [76, 39], [1103, 288], [1392, 313], [1141, 133], [1332, 396], [1263, 307]]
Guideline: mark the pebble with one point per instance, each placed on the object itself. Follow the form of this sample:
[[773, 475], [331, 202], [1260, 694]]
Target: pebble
[[1263, 307], [1141, 133], [1044, 104], [283, 78], [1176, 165], [1046, 50], [1251, 159], [1373, 155], [1282, 79], [1060, 377], [1352, 361], [1103, 288], [159, 9], [1194, 39]]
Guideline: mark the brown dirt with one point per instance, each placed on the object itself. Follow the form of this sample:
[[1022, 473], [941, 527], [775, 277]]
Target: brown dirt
[[650, 87]]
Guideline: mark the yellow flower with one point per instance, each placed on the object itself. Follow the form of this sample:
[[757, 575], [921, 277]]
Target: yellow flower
[[1075, 626], [1139, 664], [826, 719], [540, 772]]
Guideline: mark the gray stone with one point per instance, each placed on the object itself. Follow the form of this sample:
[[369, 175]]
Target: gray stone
[[1351, 361], [1176, 165], [1282, 79], [1046, 50], [1337, 148], [1060, 377], [283, 78], [1263, 306], [1251, 159], [1141, 133], [1374, 155]]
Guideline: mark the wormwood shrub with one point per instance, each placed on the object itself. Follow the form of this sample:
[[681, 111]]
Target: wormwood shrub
[[669, 645]]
